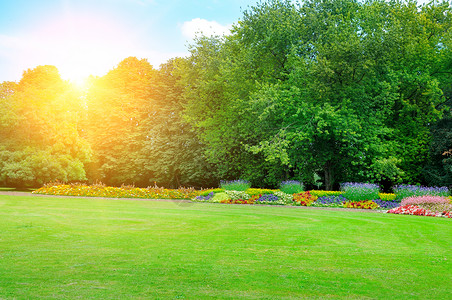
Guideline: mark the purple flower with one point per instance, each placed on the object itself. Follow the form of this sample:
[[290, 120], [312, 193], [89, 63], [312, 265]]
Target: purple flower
[[235, 185], [291, 186], [267, 198], [405, 191], [387, 204], [205, 198], [355, 191]]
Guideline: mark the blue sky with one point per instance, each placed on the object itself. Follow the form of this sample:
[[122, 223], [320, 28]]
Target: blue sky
[[90, 37]]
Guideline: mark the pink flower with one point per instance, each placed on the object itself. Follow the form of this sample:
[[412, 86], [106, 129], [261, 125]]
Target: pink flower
[[418, 211], [424, 200]]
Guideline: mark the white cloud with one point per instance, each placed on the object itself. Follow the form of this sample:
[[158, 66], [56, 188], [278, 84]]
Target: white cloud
[[191, 29]]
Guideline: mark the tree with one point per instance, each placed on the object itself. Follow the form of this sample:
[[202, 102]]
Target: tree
[[326, 92], [40, 139], [118, 104], [177, 154]]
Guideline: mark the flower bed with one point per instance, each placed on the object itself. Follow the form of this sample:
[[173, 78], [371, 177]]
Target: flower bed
[[405, 191], [116, 192], [426, 205], [415, 210], [387, 204], [330, 201], [305, 199], [424, 200], [367, 204]]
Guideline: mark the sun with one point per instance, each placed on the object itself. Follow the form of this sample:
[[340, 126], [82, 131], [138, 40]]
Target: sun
[[79, 83], [75, 74], [83, 45]]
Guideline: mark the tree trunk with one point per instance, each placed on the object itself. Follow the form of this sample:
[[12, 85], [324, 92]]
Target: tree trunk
[[329, 177]]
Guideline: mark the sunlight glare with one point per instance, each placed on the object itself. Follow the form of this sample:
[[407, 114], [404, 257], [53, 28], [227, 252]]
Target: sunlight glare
[[79, 83], [82, 45]]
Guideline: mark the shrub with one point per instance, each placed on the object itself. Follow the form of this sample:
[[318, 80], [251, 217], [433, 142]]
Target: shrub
[[319, 193], [367, 204], [360, 191], [405, 191], [218, 197], [235, 185], [387, 197], [207, 192], [291, 187]]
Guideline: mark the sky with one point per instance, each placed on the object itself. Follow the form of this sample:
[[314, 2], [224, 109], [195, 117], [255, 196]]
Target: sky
[[90, 37]]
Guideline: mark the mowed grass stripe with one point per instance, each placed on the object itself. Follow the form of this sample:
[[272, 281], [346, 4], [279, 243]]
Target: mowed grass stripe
[[97, 248]]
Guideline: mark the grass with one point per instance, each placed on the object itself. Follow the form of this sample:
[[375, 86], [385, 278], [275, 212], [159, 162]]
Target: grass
[[98, 248], [6, 189], [10, 189]]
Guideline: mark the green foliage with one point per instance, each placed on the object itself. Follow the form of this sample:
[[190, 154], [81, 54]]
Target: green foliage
[[208, 191], [320, 193], [386, 169], [235, 185], [119, 103], [322, 91], [218, 197], [136, 130], [360, 191], [438, 170], [41, 140], [255, 192], [404, 191], [291, 187], [236, 195]]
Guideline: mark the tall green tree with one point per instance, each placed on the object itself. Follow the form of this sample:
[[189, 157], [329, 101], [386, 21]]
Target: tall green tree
[[175, 154], [343, 89], [135, 128], [40, 138], [117, 106]]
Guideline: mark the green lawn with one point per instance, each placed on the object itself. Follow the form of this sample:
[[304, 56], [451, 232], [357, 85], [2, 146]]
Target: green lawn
[[97, 248]]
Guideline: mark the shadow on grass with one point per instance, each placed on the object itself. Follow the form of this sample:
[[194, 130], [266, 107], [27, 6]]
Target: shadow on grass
[[12, 189]]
